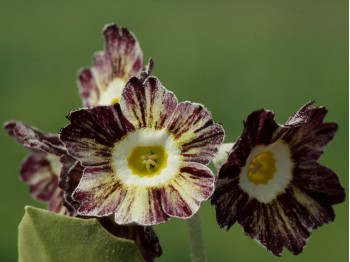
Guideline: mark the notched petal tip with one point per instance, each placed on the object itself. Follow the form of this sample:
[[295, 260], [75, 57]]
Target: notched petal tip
[[260, 115], [307, 113], [9, 125], [112, 30], [110, 27]]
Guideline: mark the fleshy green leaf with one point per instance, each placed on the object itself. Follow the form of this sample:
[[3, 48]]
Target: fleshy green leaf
[[49, 237]]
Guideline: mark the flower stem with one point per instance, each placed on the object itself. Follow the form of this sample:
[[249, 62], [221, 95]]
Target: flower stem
[[197, 251]]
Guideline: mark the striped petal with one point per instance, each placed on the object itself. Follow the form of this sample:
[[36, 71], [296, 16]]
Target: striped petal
[[183, 195], [141, 205], [148, 103], [93, 132], [34, 139], [121, 59], [310, 212], [124, 50], [228, 197], [70, 176], [56, 203], [307, 141], [195, 132], [88, 88], [274, 225], [99, 192], [319, 182], [40, 172]]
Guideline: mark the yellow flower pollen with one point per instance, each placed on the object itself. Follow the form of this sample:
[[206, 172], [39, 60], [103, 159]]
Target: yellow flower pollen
[[147, 160], [262, 168], [115, 100]]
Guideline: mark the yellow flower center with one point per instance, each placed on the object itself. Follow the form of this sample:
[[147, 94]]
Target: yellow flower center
[[262, 168], [147, 160], [115, 100]]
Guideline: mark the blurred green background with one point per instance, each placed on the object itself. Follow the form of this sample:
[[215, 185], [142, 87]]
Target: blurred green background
[[232, 56]]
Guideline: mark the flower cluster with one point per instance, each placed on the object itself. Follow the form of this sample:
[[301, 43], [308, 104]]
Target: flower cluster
[[134, 157]]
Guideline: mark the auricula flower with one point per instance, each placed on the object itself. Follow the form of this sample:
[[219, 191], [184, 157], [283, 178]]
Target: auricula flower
[[145, 157], [42, 168], [50, 172], [102, 84], [272, 184]]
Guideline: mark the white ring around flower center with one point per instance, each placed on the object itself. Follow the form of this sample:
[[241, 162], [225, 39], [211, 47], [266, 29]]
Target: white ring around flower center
[[146, 137], [281, 178], [112, 92]]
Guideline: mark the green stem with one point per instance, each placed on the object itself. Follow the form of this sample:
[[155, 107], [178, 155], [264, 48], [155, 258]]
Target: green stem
[[197, 251]]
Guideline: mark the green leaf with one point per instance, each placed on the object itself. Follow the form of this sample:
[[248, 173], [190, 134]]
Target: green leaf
[[44, 236]]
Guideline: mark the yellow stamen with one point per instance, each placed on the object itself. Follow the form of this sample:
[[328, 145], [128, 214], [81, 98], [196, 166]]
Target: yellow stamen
[[115, 100], [262, 168], [147, 160]]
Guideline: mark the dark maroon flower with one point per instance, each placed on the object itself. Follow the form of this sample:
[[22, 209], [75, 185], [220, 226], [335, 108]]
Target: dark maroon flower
[[272, 184]]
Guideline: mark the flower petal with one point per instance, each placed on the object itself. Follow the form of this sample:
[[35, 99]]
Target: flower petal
[[228, 197], [319, 182], [259, 129], [195, 132], [276, 225], [184, 194], [93, 132], [300, 117], [34, 139], [56, 203], [71, 174], [307, 141], [88, 88], [124, 50], [37, 171], [309, 211], [121, 59], [99, 193], [147, 104], [141, 205]]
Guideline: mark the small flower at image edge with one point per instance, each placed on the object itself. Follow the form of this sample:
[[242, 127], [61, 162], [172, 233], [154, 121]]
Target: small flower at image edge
[[272, 184], [102, 84], [42, 168], [145, 158]]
